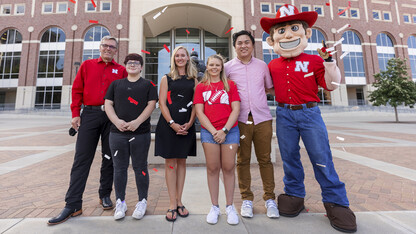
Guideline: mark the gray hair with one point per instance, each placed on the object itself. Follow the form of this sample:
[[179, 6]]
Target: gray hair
[[106, 38]]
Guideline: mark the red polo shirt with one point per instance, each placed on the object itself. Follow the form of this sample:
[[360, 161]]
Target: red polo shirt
[[92, 81], [290, 84]]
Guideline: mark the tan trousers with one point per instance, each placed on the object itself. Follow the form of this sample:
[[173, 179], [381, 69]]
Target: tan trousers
[[261, 135]]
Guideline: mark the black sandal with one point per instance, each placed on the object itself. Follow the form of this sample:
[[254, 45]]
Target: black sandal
[[173, 214], [179, 213]]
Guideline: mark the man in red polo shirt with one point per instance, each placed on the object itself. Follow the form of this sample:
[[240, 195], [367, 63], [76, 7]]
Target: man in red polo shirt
[[89, 88], [296, 77]]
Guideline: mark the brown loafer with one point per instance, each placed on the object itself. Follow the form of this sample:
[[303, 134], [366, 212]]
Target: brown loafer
[[341, 217], [290, 206]]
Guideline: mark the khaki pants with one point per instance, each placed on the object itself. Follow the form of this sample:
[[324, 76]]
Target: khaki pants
[[261, 135]]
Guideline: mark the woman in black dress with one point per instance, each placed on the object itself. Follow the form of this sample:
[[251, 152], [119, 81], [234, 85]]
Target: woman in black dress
[[175, 131]]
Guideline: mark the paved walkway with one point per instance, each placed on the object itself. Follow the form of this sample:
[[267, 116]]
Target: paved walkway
[[374, 156]]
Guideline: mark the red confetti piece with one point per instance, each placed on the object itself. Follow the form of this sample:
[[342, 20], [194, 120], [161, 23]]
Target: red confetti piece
[[166, 47], [307, 210], [169, 99], [154, 169], [73, 1], [133, 101], [342, 12], [94, 21], [153, 83], [327, 3], [171, 167], [144, 173], [69, 9], [193, 49], [93, 3], [187, 31], [229, 30], [325, 215], [146, 52]]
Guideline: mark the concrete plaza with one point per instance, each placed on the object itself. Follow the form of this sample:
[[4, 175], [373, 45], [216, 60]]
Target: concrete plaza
[[373, 155]]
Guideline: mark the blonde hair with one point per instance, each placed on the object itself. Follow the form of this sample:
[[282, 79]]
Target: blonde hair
[[207, 77], [191, 71]]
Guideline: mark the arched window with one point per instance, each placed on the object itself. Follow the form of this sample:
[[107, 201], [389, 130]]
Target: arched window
[[268, 53], [10, 51], [92, 41], [411, 43], [314, 42], [385, 50], [353, 61], [50, 69]]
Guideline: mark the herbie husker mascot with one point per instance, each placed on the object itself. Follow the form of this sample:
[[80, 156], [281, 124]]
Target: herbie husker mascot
[[296, 77]]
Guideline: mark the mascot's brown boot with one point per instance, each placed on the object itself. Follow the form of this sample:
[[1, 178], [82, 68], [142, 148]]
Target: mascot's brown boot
[[290, 206], [341, 217]]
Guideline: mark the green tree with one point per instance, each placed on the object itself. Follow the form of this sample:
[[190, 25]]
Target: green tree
[[394, 86]]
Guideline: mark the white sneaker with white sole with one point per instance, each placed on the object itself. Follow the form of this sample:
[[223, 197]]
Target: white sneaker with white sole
[[140, 209], [272, 211], [121, 208], [232, 216], [247, 209], [212, 217]]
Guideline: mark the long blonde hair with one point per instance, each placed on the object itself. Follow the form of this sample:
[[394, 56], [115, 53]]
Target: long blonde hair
[[207, 77], [191, 71]]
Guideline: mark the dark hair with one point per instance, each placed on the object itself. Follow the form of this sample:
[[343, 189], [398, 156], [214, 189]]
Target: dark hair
[[242, 32], [134, 56], [274, 27]]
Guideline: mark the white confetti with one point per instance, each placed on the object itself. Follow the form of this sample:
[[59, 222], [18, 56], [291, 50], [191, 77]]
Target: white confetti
[[321, 165], [340, 138], [330, 49], [157, 15], [131, 139], [242, 137], [343, 27], [179, 95], [189, 104], [332, 53], [183, 110], [344, 149], [249, 122], [115, 154], [335, 83], [309, 74], [107, 157], [164, 9], [231, 147], [339, 41], [344, 54]]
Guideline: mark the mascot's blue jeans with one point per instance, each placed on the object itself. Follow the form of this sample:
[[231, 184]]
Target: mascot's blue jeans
[[308, 124]]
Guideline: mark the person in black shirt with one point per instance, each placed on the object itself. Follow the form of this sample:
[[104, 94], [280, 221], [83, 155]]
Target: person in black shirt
[[129, 103]]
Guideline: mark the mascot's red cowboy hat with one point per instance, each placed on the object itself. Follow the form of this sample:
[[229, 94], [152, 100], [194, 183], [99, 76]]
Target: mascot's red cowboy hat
[[288, 13]]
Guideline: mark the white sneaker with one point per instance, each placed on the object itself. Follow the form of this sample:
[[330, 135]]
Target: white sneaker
[[140, 209], [247, 209], [232, 217], [212, 217], [121, 208], [272, 211]]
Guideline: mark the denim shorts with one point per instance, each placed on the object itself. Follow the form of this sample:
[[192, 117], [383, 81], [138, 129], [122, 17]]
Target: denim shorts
[[233, 136]]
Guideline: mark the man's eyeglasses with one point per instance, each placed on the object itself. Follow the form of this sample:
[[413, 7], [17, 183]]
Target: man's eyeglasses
[[105, 46], [131, 63]]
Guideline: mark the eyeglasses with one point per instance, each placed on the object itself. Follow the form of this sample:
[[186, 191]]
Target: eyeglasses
[[105, 46], [132, 63]]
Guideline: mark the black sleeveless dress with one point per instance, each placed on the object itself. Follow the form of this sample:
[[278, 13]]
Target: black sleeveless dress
[[167, 143]]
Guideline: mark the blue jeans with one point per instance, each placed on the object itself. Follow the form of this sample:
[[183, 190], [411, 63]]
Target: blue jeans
[[308, 124], [233, 136]]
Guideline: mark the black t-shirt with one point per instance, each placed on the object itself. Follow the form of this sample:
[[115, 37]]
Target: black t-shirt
[[130, 99]]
